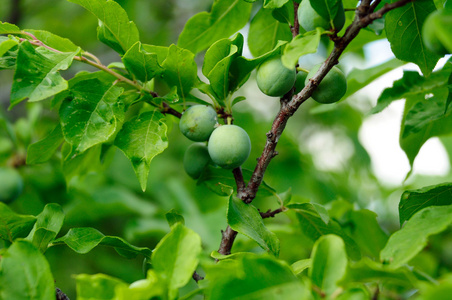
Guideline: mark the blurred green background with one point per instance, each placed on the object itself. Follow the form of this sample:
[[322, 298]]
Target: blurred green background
[[111, 200]]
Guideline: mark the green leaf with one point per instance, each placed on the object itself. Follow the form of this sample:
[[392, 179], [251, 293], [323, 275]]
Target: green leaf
[[47, 226], [91, 114], [272, 4], [412, 84], [115, 29], [84, 239], [53, 40], [180, 70], [369, 271], [424, 118], [360, 78], [173, 217], [299, 46], [8, 53], [98, 286], [314, 227], [82, 164], [12, 225], [142, 64], [255, 277], [327, 9], [328, 263], [406, 243], [217, 62], [403, 28], [413, 201], [175, 257], [42, 151], [299, 266], [245, 219], [36, 75], [204, 29], [25, 273], [141, 139], [285, 14], [265, 32], [7, 28]]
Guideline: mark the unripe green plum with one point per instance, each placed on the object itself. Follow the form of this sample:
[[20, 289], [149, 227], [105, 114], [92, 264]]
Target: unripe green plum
[[196, 159], [273, 78], [434, 31], [11, 184], [332, 88], [300, 81], [198, 122], [229, 146], [309, 19]]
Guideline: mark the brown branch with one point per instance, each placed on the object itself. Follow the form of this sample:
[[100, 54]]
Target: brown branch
[[288, 108], [296, 26], [60, 295], [271, 213], [197, 277]]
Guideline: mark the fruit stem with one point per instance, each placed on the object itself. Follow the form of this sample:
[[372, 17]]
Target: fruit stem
[[302, 70]]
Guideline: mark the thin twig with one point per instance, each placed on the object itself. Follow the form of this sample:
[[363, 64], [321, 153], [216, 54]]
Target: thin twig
[[197, 277], [271, 213]]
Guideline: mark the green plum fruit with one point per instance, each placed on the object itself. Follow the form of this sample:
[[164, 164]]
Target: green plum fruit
[[11, 184], [196, 159], [332, 88], [309, 19], [299, 82], [273, 78], [436, 32], [229, 146], [198, 122]]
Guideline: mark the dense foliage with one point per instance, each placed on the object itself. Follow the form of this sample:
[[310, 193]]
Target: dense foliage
[[161, 170]]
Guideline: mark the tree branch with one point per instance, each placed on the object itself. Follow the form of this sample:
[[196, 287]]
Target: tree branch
[[288, 108], [271, 213]]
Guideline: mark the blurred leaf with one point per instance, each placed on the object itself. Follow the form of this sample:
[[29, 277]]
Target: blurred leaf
[[204, 29], [91, 114], [272, 4], [44, 80], [255, 277], [142, 64], [245, 219], [328, 263], [413, 201], [175, 258], [327, 9], [82, 164], [25, 273], [12, 225], [115, 29], [173, 217], [141, 139], [84, 239], [299, 46], [407, 242], [43, 150], [403, 28], [47, 226], [180, 70], [314, 227], [98, 286], [367, 271], [360, 78], [8, 52], [7, 28], [265, 33], [299, 266]]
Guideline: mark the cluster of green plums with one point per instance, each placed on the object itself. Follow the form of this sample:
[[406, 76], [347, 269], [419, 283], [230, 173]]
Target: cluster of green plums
[[275, 80], [228, 146]]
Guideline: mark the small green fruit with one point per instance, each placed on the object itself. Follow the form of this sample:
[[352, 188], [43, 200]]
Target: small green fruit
[[309, 19], [198, 122], [435, 31], [229, 146], [11, 184], [196, 159], [273, 78], [299, 82], [332, 88]]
